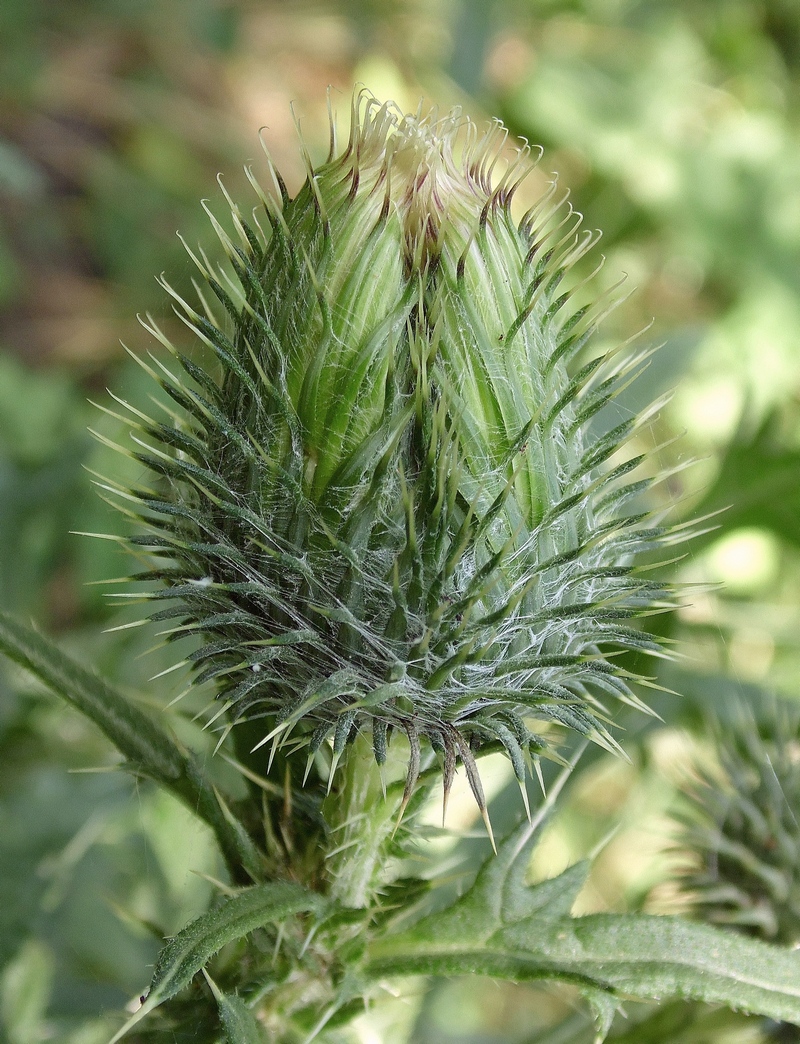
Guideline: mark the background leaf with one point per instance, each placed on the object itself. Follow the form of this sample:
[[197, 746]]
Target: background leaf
[[757, 485]]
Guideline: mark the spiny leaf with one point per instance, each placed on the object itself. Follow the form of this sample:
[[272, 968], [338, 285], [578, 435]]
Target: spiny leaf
[[504, 928], [191, 949]]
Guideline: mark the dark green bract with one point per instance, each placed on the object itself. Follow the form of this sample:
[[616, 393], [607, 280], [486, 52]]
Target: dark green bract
[[386, 507]]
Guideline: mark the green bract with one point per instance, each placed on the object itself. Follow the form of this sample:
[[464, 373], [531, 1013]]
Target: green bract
[[388, 506]]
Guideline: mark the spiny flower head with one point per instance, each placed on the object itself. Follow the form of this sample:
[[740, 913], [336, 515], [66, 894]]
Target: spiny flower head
[[740, 830], [386, 507]]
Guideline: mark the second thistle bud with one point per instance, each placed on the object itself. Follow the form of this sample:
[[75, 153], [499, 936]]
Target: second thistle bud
[[386, 510]]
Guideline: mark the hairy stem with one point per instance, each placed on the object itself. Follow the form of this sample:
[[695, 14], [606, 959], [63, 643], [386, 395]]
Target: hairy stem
[[149, 749], [363, 818]]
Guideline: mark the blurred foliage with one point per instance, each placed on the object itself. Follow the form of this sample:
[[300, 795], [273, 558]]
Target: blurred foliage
[[676, 127]]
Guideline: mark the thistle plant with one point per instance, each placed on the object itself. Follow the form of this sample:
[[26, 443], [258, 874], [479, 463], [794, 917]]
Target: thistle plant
[[389, 529]]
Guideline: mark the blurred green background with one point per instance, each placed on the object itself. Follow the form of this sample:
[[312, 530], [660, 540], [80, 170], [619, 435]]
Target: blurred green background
[[676, 127]]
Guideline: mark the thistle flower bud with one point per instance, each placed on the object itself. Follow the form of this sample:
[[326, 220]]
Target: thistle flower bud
[[740, 835], [386, 509]]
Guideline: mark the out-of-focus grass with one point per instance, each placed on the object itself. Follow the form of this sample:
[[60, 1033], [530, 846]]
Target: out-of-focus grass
[[677, 129]]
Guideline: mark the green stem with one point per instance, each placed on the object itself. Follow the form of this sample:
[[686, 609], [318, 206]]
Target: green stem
[[362, 820], [148, 748]]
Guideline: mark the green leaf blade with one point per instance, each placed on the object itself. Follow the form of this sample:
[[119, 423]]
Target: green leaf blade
[[237, 1019], [239, 1023], [188, 952], [191, 949], [655, 957], [625, 956], [505, 929]]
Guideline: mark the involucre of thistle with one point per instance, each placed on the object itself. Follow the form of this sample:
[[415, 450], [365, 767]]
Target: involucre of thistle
[[386, 508], [740, 831]]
